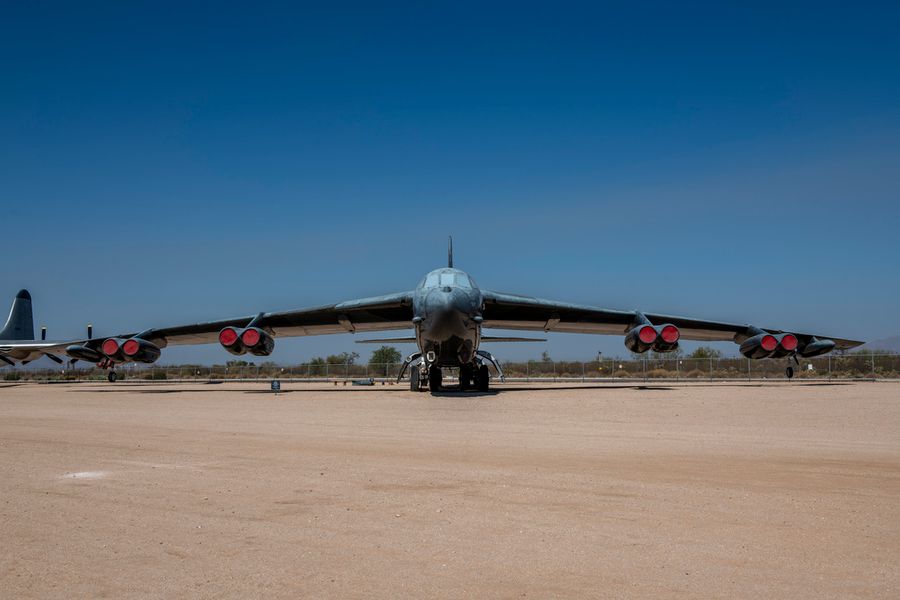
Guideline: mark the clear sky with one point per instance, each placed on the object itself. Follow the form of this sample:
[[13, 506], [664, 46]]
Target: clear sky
[[163, 164]]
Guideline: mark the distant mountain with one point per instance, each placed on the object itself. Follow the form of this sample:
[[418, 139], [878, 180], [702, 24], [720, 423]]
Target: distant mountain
[[891, 344]]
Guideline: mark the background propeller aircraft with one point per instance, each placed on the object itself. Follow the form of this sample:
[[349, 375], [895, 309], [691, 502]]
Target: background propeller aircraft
[[447, 312]]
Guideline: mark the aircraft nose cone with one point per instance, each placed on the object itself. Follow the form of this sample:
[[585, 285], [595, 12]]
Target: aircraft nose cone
[[448, 300]]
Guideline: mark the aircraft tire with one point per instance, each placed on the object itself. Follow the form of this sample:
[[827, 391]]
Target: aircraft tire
[[414, 383], [789, 372], [435, 378], [483, 378], [112, 377], [465, 377]]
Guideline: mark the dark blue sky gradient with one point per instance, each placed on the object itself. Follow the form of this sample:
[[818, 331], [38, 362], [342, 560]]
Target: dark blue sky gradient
[[165, 164]]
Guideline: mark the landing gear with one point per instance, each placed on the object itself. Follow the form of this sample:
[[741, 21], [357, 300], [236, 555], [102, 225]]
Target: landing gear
[[789, 371], [112, 377], [465, 377], [482, 378], [415, 384], [435, 378]]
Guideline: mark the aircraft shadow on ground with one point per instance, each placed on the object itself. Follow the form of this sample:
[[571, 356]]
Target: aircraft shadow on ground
[[449, 391]]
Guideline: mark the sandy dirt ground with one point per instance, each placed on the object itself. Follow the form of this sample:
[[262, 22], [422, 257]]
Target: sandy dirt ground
[[670, 491]]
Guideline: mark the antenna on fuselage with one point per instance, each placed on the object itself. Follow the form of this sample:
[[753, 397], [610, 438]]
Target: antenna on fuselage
[[450, 252]]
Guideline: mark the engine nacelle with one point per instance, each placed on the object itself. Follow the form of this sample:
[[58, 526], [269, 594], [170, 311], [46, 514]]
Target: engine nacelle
[[254, 340], [138, 350], [641, 338], [667, 340], [660, 338], [230, 339], [84, 353], [816, 347], [787, 345], [112, 348], [257, 341], [762, 345]]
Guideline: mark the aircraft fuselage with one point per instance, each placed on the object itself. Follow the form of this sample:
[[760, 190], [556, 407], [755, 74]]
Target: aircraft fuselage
[[447, 306]]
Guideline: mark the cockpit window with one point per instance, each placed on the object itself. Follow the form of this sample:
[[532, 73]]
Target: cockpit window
[[447, 280]]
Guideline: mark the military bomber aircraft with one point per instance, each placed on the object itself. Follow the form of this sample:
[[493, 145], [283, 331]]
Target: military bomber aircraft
[[447, 313]]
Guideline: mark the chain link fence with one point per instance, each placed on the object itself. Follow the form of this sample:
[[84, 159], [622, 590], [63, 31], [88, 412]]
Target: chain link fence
[[843, 367]]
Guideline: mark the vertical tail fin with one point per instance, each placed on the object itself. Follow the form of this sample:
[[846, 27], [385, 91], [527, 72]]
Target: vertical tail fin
[[20, 324]]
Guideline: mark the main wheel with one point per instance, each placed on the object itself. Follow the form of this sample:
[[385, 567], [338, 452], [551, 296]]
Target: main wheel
[[465, 377], [789, 372], [414, 384], [483, 378], [435, 378], [112, 377]]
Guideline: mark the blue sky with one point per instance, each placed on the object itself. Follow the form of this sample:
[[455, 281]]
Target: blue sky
[[169, 163]]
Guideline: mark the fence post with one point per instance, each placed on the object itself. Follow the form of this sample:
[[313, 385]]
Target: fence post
[[748, 370], [829, 367], [872, 356], [582, 372]]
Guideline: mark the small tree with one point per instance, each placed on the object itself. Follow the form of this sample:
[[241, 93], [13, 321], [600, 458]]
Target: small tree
[[317, 366], [705, 352], [344, 358], [385, 355]]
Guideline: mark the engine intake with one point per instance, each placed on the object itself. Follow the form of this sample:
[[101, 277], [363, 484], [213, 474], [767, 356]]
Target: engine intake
[[667, 340], [142, 351], [641, 338], [112, 348], [230, 339], [257, 341], [254, 340], [762, 345], [787, 345], [660, 338]]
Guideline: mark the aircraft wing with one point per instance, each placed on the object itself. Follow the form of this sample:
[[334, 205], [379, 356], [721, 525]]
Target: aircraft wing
[[512, 311], [381, 313]]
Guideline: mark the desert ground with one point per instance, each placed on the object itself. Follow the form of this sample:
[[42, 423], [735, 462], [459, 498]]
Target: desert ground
[[554, 491]]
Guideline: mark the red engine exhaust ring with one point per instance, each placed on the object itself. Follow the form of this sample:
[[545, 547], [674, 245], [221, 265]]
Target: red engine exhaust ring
[[130, 348], [228, 336], [110, 347], [250, 337], [647, 334], [670, 334], [789, 342]]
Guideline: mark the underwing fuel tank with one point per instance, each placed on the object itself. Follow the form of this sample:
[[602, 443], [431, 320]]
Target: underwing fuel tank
[[84, 353], [816, 347]]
